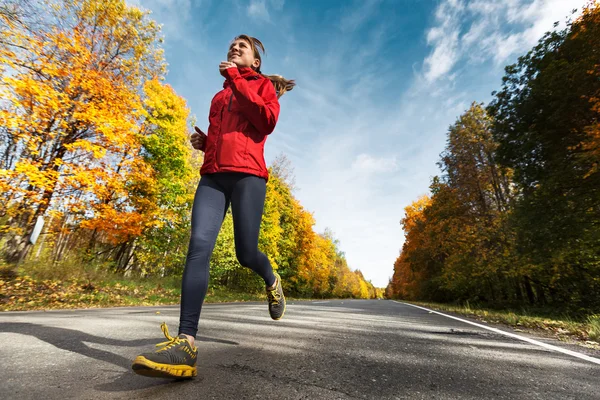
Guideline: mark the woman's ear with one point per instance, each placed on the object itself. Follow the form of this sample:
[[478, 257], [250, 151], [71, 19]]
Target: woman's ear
[[256, 63]]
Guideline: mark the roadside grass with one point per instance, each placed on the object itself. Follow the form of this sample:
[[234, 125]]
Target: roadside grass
[[73, 283], [22, 293], [584, 330]]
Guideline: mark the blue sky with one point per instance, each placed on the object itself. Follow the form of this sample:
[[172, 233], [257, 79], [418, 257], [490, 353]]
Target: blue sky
[[378, 84]]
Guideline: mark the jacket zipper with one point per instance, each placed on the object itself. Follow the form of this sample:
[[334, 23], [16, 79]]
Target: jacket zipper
[[230, 100], [221, 131]]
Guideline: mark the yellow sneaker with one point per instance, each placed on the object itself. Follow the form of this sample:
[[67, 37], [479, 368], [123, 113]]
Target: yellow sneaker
[[176, 358], [276, 300]]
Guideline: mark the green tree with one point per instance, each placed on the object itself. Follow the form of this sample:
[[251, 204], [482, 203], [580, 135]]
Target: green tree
[[546, 124], [175, 173]]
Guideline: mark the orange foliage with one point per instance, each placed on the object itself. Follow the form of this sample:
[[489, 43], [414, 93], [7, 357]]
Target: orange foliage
[[72, 110]]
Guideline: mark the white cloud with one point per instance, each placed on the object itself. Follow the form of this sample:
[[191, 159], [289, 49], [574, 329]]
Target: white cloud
[[367, 164], [258, 9], [444, 38], [481, 30]]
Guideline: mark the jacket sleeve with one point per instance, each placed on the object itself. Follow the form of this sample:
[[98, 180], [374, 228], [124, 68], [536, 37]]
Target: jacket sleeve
[[262, 110]]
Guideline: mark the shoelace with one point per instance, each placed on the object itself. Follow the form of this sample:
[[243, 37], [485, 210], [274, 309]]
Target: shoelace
[[172, 341], [274, 296]]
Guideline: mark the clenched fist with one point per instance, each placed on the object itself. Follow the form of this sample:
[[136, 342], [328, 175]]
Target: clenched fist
[[198, 138], [224, 65]]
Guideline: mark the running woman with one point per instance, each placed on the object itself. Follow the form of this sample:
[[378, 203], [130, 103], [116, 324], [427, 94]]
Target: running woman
[[234, 173]]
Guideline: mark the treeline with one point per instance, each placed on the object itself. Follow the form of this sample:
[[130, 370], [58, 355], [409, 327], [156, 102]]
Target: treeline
[[514, 219], [95, 145]]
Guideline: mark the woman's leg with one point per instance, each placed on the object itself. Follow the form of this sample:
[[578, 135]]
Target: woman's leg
[[247, 202], [208, 211]]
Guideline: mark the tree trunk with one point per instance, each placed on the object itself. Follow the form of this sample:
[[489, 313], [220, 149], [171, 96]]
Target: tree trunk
[[27, 218], [92, 242], [539, 290], [129, 257], [518, 292], [529, 290]]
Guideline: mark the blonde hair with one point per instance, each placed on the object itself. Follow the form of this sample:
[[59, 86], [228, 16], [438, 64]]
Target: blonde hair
[[281, 84]]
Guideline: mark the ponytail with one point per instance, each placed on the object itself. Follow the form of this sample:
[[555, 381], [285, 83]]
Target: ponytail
[[281, 84]]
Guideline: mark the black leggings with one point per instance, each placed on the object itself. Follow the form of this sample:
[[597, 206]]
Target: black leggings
[[246, 194]]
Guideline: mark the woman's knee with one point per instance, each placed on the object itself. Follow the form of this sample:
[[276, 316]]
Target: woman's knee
[[247, 257], [200, 243]]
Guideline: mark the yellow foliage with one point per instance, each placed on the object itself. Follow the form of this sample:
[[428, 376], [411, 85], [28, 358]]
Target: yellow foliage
[[414, 212], [73, 101]]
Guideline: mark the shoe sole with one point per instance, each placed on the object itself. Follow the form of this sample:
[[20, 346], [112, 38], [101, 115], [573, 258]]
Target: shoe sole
[[143, 366]]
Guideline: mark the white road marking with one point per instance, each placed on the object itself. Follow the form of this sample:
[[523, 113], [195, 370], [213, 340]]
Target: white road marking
[[526, 339], [319, 302]]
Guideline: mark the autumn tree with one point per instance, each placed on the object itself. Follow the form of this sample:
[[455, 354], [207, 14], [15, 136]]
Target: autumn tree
[[421, 258], [70, 115], [457, 240], [546, 124], [478, 191]]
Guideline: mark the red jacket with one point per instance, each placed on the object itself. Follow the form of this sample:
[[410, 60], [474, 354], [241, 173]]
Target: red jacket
[[241, 117]]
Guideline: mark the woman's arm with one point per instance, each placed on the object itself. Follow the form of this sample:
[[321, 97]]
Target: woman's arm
[[261, 110]]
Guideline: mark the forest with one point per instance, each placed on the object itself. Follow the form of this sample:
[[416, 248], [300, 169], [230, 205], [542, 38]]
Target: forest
[[513, 220]]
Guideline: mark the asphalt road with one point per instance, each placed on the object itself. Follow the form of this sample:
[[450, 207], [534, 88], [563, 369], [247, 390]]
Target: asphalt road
[[374, 349]]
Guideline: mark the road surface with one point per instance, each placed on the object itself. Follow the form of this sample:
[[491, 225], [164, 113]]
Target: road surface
[[357, 349]]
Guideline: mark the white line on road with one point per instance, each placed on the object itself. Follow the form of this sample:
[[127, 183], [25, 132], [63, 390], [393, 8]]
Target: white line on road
[[526, 339], [320, 302]]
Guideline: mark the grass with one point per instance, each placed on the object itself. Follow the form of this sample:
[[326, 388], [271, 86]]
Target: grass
[[74, 283], [563, 327], [594, 327], [20, 293]]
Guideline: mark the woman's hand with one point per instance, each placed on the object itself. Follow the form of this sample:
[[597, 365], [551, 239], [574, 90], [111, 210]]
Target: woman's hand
[[224, 65], [198, 138]]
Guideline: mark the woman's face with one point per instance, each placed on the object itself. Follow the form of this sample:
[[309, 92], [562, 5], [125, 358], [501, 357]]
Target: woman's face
[[242, 55]]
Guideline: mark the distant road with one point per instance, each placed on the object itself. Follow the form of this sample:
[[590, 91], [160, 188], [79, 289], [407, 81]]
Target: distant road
[[357, 349]]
